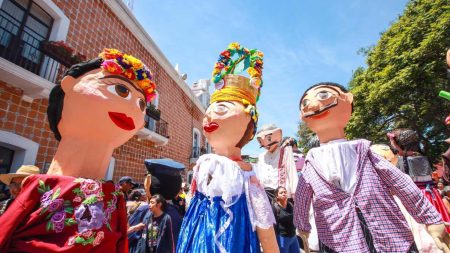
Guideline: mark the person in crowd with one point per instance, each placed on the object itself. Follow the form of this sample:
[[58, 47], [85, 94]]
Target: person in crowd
[[446, 198], [126, 184], [180, 200], [137, 197], [14, 183], [156, 229], [136, 219], [440, 187], [285, 229], [411, 161]]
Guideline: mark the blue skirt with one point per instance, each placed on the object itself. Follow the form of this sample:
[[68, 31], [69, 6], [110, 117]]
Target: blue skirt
[[203, 227]]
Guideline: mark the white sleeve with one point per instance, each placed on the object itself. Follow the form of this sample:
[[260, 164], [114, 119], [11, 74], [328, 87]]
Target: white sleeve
[[260, 210], [291, 169]]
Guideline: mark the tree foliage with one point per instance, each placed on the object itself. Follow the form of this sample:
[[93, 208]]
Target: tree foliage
[[305, 137], [405, 71]]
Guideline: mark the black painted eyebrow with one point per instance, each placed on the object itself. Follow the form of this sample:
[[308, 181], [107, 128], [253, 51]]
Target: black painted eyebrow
[[327, 87], [124, 79]]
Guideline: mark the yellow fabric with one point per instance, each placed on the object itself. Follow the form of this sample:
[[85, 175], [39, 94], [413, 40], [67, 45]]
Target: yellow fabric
[[233, 93]]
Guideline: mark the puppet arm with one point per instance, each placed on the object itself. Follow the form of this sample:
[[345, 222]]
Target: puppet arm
[[291, 170], [267, 239], [406, 190], [261, 214], [303, 197], [413, 199]]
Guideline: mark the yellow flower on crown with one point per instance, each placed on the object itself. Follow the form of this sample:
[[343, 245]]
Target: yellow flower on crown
[[234, 45], [253, 72], [136, 63]]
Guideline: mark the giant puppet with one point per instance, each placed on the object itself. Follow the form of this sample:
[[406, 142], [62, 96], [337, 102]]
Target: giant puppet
[[230, 211], [351, 188], [99, 105], [276, 165]]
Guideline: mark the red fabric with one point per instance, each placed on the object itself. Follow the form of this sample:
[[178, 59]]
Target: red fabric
[[24, 227], [437, 202]]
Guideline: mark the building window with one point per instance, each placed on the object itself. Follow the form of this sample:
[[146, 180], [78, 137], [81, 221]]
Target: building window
[[152, 122], [207, 147], [23, 26], [196, 140]]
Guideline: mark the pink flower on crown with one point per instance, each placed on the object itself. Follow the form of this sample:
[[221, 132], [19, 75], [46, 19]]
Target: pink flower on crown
[[112, 67]]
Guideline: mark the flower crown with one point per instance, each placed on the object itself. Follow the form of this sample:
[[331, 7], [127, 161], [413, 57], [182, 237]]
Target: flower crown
[[116, 62], [250, 60]]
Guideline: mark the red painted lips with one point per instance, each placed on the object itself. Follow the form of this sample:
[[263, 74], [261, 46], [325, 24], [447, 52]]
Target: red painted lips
[[122, 120], [210, 127]]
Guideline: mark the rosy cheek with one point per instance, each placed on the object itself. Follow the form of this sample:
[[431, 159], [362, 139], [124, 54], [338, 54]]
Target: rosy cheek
[[89, 88]]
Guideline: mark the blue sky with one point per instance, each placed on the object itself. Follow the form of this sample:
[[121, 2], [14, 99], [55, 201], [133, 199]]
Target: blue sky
[[304, 42]]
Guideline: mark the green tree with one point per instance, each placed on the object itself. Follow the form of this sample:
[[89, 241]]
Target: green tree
[[306, 138], [405, 71]]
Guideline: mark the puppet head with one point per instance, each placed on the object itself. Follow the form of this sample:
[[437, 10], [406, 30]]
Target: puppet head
[[326, 109], [269, 137], [231, 118], [102, 100]]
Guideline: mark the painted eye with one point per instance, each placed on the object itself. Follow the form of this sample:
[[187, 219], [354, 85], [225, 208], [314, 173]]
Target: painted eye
[[323, 95], [141, 104], [120, 90], [305, 102], [220, 109]]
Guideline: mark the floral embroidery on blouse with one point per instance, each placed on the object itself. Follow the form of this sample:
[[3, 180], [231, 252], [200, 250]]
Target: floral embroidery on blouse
[[56, 207], [86, 210]]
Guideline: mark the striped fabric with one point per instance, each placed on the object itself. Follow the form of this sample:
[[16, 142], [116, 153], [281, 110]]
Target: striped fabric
[[337, 221]]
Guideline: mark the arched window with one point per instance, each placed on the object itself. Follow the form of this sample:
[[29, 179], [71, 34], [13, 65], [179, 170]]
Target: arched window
[[196, 143]]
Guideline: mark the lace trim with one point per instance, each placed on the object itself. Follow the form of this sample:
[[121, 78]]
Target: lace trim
[[259, 208]]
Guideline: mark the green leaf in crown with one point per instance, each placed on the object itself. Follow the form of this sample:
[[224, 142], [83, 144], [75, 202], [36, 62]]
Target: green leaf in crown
[[250, 60]]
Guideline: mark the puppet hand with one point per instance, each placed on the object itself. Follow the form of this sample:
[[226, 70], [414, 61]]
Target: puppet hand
[[440, 236]]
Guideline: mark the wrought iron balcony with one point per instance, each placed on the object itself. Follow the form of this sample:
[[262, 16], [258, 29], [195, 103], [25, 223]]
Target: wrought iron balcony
[[24, 50], [153, 113], [160, 127]]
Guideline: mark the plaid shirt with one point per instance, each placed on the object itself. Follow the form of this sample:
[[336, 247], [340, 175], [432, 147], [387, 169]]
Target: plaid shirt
[[338, 226]]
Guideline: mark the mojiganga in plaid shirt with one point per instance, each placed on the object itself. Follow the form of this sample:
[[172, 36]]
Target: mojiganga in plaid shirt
[[365, 218]]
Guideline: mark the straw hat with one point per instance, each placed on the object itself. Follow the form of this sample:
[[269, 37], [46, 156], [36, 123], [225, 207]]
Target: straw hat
[[23, 171]]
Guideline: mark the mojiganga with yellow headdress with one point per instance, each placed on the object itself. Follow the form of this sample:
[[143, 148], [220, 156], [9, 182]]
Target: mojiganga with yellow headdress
[[238, 216]]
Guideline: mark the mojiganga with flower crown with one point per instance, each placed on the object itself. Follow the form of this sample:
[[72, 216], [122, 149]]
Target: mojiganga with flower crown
[[230, 211], [99, 105]]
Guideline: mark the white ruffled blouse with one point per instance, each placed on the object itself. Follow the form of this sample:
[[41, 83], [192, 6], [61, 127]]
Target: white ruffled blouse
[[229, 181]]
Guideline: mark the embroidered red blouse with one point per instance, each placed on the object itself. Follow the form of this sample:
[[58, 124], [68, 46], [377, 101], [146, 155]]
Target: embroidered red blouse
[[65, 214]]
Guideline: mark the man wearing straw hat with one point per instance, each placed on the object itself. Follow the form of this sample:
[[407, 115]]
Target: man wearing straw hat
[[14, 183]]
